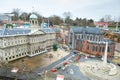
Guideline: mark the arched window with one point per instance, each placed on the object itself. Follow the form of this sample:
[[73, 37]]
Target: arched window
[[32, 22], [103, 49], [108, 49], [100, 50], [82, 36], [91, 37], [87, 47]]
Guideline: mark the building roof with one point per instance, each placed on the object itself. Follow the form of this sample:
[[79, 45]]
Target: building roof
[[87, 30], [36, 32], [57, 30], [102, 42], [48, 30], [4, 17], [14, 31], [33, 16], [101, 23]]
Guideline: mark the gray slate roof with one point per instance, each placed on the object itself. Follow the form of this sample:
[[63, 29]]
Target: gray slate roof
[[57, 30], [14, 31], [48, 30], [87, 30], [102, 42]]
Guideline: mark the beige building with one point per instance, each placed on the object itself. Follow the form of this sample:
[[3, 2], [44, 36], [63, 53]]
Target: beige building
[[17, 43]]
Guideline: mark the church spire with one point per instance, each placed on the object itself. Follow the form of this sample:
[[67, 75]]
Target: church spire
[[33, 9]]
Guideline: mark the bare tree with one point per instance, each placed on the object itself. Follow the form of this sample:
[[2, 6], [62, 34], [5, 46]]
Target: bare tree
[[24, 16], [67, 16], [16, 13], [107, 18], [102, 19], [55, 20]]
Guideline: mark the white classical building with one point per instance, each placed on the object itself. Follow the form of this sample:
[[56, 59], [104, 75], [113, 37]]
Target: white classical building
[[17, 43], [20, 42]]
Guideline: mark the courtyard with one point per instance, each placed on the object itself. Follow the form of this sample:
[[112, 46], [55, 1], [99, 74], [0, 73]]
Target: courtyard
[[39, 61]]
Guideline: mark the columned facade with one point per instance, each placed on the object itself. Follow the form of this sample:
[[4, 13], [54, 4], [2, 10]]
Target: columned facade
[[34, 22], [15, 46], [33, 19]]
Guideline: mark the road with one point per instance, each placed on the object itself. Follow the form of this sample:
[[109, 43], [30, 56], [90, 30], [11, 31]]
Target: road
[[75, 75], [39, 70], [34, 74]]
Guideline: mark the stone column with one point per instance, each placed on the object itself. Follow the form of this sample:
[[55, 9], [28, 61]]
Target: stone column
[[73, 41], [37, 22], [69, 34], [105, 54]]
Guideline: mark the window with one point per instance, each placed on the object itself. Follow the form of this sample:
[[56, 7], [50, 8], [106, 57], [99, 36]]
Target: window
[[9, 57], [15, 42], [82, 36], [12, 43], [96, 38], [95, 48], [8, 43], [6, 59], [103, 49], [100, 50], [4, 44], [88, 47], [77, 36], [108, 49], [5, 54], [90, 37]]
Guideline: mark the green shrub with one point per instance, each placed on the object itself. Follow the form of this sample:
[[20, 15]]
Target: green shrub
[[55, 47]]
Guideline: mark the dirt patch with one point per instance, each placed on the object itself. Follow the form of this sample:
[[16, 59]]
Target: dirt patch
[[41, 60]]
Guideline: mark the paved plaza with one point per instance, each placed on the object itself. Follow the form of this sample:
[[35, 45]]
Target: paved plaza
[[97, 71], [86, 69]]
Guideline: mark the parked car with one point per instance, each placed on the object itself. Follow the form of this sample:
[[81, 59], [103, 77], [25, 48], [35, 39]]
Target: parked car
[[39, 74], [71, 71]]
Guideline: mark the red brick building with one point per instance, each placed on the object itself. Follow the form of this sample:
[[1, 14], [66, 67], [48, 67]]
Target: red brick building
[[101, 24], [89, 40]]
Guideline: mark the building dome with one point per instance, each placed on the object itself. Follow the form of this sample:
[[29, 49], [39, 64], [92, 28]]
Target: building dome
[[33, 16]]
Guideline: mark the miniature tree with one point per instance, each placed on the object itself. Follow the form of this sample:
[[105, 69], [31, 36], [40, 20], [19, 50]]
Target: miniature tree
[[55, 47]]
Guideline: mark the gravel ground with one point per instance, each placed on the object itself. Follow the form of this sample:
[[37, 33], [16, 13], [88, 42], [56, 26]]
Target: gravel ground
[[41, 60]]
